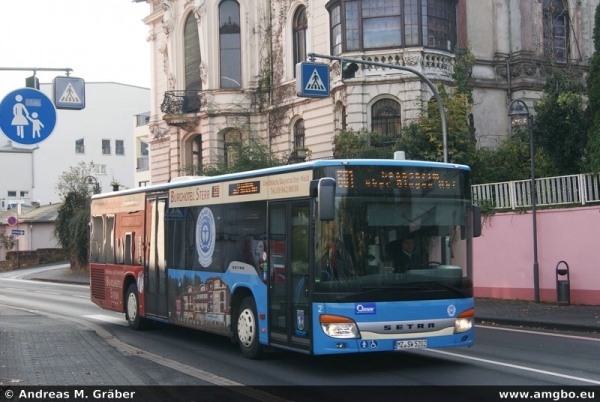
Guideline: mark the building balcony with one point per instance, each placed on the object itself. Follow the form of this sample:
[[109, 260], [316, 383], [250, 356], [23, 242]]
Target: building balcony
[[143, 164], [180, 108]]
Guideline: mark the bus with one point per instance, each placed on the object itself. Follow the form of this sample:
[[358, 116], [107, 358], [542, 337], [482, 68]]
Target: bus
[[297, 257]]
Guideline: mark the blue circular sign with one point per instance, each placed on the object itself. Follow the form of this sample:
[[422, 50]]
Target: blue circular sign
[[27, 116]]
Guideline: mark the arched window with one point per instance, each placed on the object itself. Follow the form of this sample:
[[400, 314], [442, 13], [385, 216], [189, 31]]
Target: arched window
[[385, 117], [230, 44], [192, 54], [299, 28], [556, 30], [299, 134], [379, 24], [196, 151], [232, 142]]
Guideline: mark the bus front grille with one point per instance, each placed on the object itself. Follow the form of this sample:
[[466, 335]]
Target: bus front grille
[[98, 284]]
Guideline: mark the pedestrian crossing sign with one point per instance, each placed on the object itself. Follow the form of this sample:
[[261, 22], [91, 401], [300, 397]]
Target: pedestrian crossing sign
[[312, 79], [69, 93]]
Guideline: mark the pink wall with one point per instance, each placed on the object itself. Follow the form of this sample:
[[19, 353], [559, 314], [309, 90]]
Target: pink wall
[[503, 255]]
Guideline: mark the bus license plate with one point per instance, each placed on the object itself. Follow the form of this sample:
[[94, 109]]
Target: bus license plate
[[417, 343]]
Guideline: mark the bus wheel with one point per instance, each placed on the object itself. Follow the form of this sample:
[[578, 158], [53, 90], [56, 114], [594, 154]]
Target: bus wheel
[[247, 329], [132, 310]]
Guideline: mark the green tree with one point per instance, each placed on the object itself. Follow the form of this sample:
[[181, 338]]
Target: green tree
[[560, 125], [593, 84], [251, 154], [72, 222]]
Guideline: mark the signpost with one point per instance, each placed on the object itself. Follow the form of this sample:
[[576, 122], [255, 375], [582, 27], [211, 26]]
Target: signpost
[[312, 79], [69, 93], [27, 116]]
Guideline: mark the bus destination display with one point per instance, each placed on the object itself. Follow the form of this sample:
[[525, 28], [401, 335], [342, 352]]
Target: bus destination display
[[247, 187], [406, 179]]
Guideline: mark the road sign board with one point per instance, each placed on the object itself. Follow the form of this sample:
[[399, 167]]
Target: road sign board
[[11, 220], [17, 232], [27, 116], [69, 93], [312, 79]]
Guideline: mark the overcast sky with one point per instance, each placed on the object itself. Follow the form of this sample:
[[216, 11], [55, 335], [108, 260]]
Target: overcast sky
[[102, 41]]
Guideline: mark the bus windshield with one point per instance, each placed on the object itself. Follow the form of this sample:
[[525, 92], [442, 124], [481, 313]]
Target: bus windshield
[[393, 240]]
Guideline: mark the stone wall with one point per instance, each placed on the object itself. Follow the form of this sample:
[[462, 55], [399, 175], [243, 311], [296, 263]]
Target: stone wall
[[24, 259]]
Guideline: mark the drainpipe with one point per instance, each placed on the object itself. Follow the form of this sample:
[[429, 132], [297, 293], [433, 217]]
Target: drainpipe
[[508, 78]]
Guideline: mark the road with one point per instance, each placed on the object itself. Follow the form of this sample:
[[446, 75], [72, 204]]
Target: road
[[500, 357]]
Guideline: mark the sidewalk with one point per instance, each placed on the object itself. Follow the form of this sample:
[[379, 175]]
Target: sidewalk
[[487, 311]]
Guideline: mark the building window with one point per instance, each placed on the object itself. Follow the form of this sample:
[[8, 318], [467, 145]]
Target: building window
[[230, 44], [79, 146], [231, 147], [299, 28], [143, 148], [119, 147], [99, 169], [11, 194], [192, 54], [385, 118], [556, 30], [105, 147], [299, 134], [358, 25], [196, 144], [24, 194]]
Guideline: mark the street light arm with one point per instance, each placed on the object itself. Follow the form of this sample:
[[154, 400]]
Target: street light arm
[[436, 93]]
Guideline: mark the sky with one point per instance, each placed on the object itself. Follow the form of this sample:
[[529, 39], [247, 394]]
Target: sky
[[101, 41]]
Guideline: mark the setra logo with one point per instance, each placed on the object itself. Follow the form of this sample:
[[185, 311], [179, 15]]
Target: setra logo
[[365, 308]]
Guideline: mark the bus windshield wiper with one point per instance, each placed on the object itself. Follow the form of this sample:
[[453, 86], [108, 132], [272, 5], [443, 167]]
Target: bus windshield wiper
[[453, 288], [376, 290]]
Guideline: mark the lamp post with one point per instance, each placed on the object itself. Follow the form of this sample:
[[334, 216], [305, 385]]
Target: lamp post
[[518, 108], [92, 181]]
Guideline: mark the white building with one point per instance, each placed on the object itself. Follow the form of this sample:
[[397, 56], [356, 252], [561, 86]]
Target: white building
[[223, 69], [101, 133]]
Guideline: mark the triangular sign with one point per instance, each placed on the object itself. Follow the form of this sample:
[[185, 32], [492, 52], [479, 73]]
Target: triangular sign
[[315, 83], [69, 95]]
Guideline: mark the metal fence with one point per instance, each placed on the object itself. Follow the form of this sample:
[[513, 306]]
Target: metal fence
[[578, 189]]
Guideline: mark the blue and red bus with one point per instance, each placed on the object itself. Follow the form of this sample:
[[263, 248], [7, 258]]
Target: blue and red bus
[[301, 257]]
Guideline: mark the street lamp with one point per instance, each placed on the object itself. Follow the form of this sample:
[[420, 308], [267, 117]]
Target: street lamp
[[518, 108], [92, 181]]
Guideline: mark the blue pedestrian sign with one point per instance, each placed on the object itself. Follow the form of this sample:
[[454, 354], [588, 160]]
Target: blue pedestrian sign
[[69, 93], [312, 79], [27, 116]]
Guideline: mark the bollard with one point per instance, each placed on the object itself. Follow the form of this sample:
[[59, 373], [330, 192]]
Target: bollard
[[563, 286]]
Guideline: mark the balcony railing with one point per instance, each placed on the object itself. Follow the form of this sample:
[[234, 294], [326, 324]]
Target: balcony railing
[[180, 102], [143, 163], [578, 189]]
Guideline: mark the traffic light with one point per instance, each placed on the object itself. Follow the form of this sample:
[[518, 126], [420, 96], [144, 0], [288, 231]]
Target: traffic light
[[32, 82], [349, 70]]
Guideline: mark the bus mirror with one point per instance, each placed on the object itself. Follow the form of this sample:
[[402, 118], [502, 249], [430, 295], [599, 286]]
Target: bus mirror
[[326, 199], [476, 220]]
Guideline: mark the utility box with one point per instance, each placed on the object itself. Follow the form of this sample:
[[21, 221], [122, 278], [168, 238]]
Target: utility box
[[563, 284]]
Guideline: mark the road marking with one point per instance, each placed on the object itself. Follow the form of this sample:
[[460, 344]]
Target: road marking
[[82, 297], [585, 338], [47, 293], [105, 318], [514, 366]]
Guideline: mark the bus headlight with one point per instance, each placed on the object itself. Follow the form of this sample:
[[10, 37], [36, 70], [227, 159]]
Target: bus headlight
[[337, 326], [464, 321]]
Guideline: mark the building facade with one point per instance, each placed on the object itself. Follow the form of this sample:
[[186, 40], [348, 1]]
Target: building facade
[[224, 70]]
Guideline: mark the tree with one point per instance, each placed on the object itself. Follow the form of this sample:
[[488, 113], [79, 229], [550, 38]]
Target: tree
[[560, 125], [593, 84], [72, 222], [251, 154]]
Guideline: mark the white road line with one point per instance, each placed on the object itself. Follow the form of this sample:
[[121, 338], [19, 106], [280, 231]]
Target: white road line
[[514, 366], [105, 318], [586, 338], [46, 293], [81, 297]]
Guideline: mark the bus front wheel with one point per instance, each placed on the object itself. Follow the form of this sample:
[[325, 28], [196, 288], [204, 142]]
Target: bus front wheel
[[132, 309], [247, 329]]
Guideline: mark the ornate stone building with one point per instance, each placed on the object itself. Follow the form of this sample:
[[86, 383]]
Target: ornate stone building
[[224, 70]]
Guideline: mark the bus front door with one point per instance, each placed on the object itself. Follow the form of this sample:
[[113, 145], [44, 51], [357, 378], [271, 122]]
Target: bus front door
[[289, 307]]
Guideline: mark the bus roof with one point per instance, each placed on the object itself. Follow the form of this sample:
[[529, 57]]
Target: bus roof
[[191, 180]]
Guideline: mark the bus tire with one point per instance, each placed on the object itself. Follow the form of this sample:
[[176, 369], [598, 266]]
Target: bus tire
[[132, 309], [247, 329]]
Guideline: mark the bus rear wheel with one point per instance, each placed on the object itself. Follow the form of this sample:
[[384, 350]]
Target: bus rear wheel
[[247, 329], [132, 309]]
